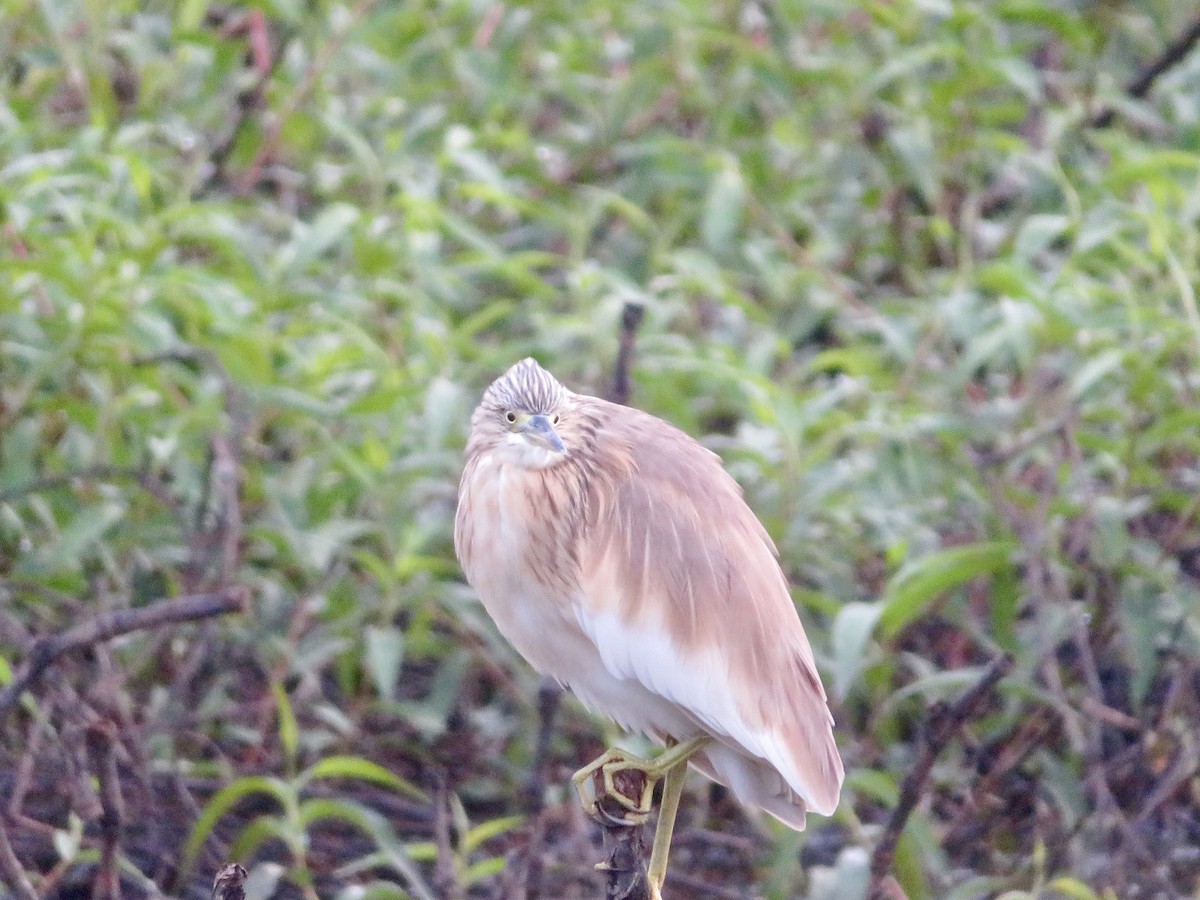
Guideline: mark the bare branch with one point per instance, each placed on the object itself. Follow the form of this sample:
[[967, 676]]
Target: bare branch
[[1173, 54], [101, 739], [526, 873], [11, 872], [941, 728], [445, 869], [107, 626], [631, 318]]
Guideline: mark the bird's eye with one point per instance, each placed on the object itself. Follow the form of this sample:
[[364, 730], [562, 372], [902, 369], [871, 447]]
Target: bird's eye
[[554, 419], [511, 416]]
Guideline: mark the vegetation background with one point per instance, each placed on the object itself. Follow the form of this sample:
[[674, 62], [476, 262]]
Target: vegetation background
[[922, 271]]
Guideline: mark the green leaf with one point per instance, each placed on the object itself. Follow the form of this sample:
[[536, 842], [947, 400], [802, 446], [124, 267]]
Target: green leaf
[[289, 729], [488, 830], [1072, 887], [220, 804], [384, 656], [723, 208], [876, 784], [365, 770], [1111, 541], [919, 583], [313, 240], [390, 850], [852, 629], [84, 531]]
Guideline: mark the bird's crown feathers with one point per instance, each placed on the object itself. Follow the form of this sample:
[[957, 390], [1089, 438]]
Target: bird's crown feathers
[[527, 387]]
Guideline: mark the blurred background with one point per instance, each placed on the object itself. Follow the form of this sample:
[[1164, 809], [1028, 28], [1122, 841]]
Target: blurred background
[[923, 272]]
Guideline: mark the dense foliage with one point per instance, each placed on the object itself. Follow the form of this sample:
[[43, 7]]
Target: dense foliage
[[936, 311]]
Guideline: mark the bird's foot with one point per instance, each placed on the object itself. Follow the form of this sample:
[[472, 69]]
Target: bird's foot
[[628, 781], [625, 779]]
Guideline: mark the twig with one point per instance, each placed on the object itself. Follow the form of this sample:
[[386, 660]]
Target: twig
[[100, 739], [252, 25], [45, 306], [487, 28], [941, 727], [11, 872], [631, 318], [229, 528], [23, 777], [528, 872], [230, 883], [1182, 771], [445, 869], [274, 131], [548, 699], [1173, 54], [107, 626]]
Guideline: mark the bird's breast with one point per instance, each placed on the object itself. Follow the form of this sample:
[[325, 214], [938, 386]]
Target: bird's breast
[[517, 556]]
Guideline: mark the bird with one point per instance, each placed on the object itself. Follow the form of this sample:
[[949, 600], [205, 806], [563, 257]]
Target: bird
[[617, 555]]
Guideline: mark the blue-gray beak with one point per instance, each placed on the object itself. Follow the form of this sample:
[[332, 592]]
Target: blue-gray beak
[[540, 429]]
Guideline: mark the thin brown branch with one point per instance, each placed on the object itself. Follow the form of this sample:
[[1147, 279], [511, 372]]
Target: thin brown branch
[[45, 306], [31, 752], [1183, 770], [11, 873], [1141, 83], [228, 532], [549, 698], [487, 28], [269, 148], [631, 318], [941, 727], [527, 873], [101, 748], [107, 626], [445, 870]]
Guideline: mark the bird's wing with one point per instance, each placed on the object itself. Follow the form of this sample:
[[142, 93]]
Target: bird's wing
[[682, 592]]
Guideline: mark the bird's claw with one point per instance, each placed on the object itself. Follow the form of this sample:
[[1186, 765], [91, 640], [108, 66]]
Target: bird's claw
[[635, 809]]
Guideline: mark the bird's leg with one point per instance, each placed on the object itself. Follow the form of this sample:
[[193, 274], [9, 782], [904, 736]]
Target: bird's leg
[[671, 764], [668, 808]]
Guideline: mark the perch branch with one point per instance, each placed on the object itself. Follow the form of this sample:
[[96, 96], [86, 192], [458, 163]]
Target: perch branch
[[941, 727], [105, 627], [625, 854], [230, 883]]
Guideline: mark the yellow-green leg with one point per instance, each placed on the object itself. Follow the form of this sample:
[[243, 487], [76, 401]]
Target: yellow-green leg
[[656, 872], [671, 764]]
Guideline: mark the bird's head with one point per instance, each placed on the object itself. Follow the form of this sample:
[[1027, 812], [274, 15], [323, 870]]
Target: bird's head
[[520, 416]]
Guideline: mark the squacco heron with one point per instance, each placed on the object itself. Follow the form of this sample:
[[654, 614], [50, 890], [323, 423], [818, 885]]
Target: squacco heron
[[617, 555]]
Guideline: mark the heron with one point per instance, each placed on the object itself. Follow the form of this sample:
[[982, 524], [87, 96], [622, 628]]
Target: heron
[[617, 555]]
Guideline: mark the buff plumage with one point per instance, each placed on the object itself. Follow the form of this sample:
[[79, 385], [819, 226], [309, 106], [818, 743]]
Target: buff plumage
[[616, 554]]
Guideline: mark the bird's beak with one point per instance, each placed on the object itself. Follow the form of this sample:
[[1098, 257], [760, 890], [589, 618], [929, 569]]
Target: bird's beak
[[539, 430]]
